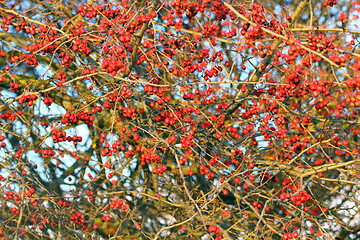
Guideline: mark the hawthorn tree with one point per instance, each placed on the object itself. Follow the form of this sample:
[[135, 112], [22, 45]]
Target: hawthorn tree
[[175, 119]]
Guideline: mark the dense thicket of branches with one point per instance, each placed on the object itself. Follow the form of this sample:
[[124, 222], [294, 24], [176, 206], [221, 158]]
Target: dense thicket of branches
[[179, 119]]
